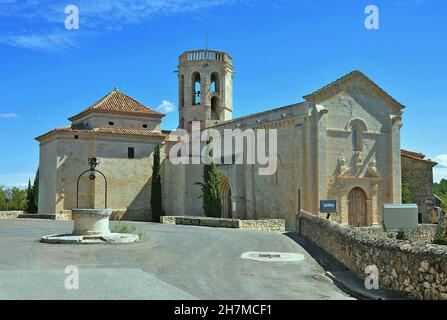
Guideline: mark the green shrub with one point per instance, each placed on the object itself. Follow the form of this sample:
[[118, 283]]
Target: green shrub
[[401, 235], [441, 232], [407, 197], [442, 240]]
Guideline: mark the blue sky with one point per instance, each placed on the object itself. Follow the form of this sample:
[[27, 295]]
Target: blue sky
[[282, 50]]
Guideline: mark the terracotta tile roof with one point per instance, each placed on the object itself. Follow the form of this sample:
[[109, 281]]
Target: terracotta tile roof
[[416, 156], [413, 154], [118, 102], [347, 77], [100, 131]]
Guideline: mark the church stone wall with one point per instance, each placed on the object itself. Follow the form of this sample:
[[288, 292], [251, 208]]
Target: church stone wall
[[129, 180], [47, 177], [358, 104], [273, 196], [173, 185], [72, 156]]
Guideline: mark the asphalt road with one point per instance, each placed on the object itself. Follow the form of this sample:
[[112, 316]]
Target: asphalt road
[[171, 262]]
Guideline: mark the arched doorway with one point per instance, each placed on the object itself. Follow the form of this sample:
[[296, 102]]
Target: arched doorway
[[225, 190], [357, 210]]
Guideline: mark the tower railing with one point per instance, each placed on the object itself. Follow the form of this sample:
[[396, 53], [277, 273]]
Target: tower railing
[[205, 55]]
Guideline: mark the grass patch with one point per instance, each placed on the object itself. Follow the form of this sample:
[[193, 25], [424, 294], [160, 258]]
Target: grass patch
[[124, 228]]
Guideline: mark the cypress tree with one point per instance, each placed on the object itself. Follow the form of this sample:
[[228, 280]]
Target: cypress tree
[[212, 205], [156, 205], [36, 192], [29, 198]]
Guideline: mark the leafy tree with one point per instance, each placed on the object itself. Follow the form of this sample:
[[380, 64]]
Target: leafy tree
[[211, 193], [156, 201], [17, 200], [441, 189], [2, 199], [12, 199], [407, 197], [8, 198]]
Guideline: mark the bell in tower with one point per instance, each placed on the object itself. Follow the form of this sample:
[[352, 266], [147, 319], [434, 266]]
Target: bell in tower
[[205, 88]]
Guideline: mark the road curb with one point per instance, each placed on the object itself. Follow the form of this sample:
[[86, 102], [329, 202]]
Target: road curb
[[362, 294]]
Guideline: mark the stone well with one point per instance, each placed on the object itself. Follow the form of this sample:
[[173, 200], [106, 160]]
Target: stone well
[[91, 221], [91, 226]]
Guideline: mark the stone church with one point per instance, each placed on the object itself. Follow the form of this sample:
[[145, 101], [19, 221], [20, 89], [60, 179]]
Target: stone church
[[342, 143]]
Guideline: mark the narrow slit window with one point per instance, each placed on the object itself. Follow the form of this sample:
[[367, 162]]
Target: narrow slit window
[[131, 153], [357, 139]]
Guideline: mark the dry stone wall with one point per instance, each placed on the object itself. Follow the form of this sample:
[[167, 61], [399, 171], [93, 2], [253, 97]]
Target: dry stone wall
[[264, 224], [416, 269], [10, 214]]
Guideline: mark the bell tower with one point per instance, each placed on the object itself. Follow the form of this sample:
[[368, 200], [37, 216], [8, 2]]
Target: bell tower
[[205, 88]]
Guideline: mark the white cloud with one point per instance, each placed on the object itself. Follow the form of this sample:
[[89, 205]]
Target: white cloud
[[8, 115], [441, 160], [96, 17], [54, 42], [166, 107], [19, 180], [439, 173]]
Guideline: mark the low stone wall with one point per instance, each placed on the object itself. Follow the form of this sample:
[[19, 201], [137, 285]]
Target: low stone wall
[[207, 222], [265, 225], [167, 220], [415, 269], [423, 233], [64, 216], [10, 214]]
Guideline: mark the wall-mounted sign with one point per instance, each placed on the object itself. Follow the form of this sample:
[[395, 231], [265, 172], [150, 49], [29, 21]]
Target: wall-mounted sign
[[328, 206]]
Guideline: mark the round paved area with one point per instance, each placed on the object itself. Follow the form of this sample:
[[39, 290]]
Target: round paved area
[[170, 262]]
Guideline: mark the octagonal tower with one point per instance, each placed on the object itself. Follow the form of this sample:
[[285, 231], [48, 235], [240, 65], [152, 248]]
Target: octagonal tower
[[205, 88]]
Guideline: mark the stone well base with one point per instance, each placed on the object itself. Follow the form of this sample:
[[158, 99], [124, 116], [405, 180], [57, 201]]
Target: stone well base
[[92, 239]]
